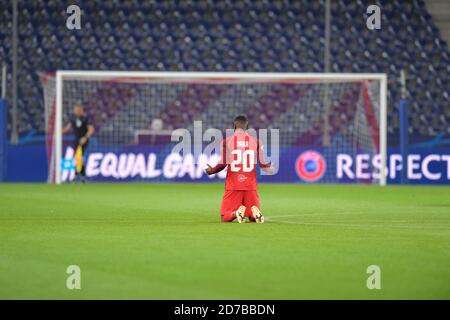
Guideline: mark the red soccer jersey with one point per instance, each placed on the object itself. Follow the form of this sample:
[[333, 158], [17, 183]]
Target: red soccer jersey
[[240, 153]]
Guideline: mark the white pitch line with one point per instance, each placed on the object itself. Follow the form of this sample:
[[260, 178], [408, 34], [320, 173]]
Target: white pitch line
[[349, 225]]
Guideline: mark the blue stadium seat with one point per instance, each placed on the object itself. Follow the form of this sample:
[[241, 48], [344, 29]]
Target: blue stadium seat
[[240, 35]]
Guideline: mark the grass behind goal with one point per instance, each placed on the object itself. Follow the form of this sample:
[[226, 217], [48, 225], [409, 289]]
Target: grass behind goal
[[164, 241]]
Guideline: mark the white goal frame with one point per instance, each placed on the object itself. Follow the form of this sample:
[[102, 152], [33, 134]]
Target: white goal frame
[[99, 75]]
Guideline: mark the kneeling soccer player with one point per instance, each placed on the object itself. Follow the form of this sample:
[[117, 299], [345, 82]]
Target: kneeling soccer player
[[240, 153]]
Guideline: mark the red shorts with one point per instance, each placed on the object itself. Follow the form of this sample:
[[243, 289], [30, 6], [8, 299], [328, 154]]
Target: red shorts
[[233, 199]]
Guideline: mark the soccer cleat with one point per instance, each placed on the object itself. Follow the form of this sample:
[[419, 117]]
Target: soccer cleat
[[259, 218], [240, 214]]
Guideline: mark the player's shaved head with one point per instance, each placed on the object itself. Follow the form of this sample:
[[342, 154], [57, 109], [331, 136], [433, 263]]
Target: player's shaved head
[[240, 122]]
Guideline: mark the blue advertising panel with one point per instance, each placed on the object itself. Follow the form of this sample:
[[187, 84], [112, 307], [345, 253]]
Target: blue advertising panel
[[295, 165], [27, 163]]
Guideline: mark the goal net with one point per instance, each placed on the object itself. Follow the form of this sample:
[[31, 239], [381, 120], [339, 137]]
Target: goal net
[[331, 127]]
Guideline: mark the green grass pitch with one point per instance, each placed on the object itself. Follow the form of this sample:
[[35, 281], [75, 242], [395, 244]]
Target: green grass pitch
[[164, 241]]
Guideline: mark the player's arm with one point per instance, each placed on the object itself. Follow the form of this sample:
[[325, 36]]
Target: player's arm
[[67, 128], [222, 163], [90, 132], [264, 165], [212, 170]]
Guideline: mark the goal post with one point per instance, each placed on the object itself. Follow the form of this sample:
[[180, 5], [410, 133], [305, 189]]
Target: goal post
[[298, 106]]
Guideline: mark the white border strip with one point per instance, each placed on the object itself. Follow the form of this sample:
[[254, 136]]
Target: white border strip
[[58, 127], [383, 129], [221, 75]]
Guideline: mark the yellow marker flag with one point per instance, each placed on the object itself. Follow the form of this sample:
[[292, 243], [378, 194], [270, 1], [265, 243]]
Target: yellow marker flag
[[78, 159]]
